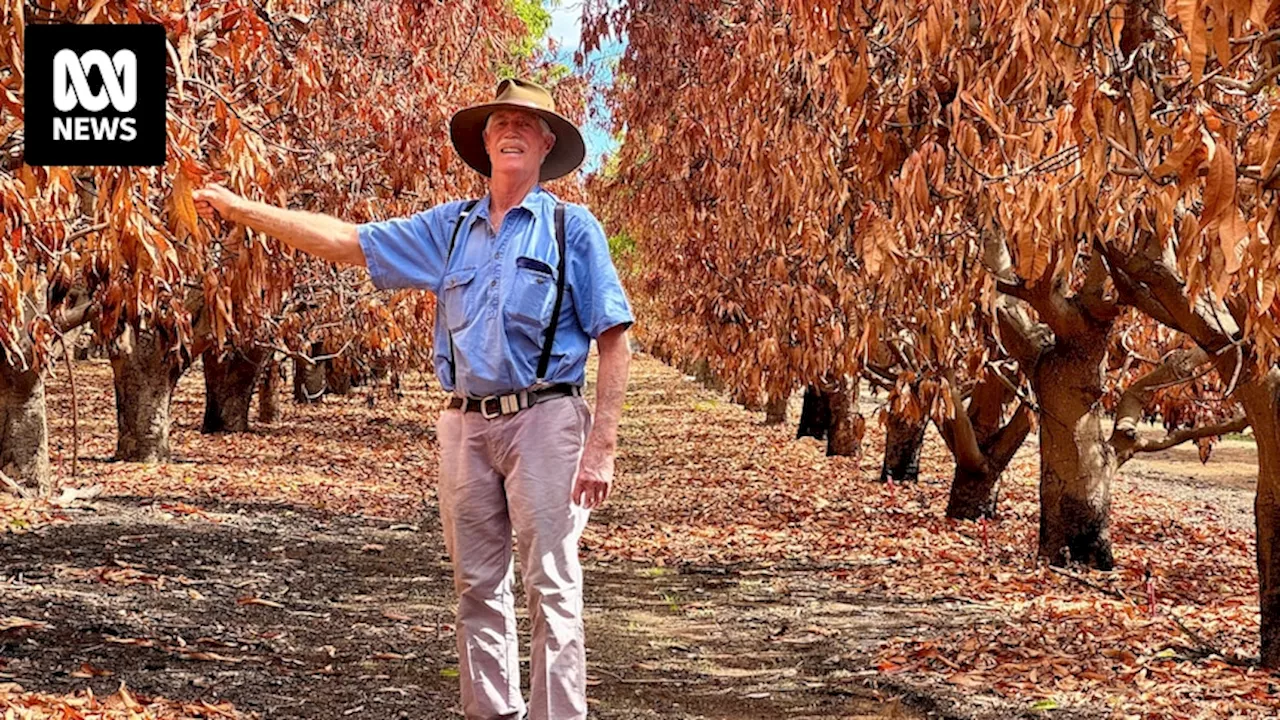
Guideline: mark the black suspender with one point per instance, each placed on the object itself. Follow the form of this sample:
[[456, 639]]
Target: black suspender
[[555, 309], [550, 333], [466, 211]]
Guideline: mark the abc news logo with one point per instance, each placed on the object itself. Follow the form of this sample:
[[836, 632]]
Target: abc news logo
[[95, 94]]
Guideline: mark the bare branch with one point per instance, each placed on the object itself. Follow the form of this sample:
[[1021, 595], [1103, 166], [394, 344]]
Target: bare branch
[[299, 355], [882, 377], [72, 318], [1023, 338], [1093, 294], [1006, 442], [1177, 367], [1181, 435], [964, 443], [1152, 286], [85, 231]]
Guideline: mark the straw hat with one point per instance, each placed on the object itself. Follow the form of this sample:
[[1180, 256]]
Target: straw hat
[[467, 129]]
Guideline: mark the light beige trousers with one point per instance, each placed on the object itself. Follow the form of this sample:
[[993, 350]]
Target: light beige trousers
[[516, 471]]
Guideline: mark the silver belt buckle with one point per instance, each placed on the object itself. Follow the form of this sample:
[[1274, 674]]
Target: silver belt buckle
[[484, 409]]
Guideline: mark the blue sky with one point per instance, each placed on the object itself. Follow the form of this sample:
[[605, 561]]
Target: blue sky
[[566, 31]]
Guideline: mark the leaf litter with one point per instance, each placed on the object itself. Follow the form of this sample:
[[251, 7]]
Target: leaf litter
[[702, 485]]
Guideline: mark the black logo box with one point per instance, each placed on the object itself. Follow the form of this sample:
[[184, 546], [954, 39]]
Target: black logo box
[[43, 42]]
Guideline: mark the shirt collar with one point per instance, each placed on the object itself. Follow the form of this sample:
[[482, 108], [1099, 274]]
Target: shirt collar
[[531, 202]]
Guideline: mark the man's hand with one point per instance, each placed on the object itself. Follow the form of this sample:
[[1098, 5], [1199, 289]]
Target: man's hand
[[595, 472], [595, 476], [216, 198]]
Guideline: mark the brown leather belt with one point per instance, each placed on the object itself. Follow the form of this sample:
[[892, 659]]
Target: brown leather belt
[[494, 406]]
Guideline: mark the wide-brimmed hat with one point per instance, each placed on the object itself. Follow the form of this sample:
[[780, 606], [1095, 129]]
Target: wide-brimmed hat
[[467, 129]]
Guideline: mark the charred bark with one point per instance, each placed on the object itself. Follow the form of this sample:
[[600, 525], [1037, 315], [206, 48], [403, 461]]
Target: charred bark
[[975, 487], [269, 393], [903, 439], [308, 378], [775, 409], [146, 373], [748, 400], [975, 493], [24, 436], [703, 374], [1064, 354], [982, 446], [229, 382], [815, 414], [1077, 461]]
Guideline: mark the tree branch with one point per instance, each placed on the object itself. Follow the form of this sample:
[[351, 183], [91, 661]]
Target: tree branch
[[1177, 367], [1093, 294], [964, 445], [72, 318], [1181, 435], [1023, 338], [881, 377], [986, 404], [14, 487], [1154, 288], [1009, 438]]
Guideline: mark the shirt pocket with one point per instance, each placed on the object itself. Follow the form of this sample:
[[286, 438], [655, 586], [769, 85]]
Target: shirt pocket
[[533, 292], [454, 295]]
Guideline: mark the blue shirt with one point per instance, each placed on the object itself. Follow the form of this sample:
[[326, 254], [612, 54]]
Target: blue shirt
[[495, 293]]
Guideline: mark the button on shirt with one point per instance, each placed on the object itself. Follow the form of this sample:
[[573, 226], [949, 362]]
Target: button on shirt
[[496, 291]]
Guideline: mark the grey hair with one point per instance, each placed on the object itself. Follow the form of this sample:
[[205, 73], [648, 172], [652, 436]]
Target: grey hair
[[542, 122]]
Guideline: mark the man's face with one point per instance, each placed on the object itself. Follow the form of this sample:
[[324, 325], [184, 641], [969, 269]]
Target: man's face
[[516, 142]]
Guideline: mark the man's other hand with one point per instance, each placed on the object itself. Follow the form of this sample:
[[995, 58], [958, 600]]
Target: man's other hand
[[595, 477]]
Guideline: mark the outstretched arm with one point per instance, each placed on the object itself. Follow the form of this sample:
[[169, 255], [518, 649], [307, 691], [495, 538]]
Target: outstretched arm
[[324, 236]]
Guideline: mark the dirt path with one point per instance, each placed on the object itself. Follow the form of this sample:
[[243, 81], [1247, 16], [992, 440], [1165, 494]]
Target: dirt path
[[294, 614], [1226, 482], [290, 609], [298, 572]]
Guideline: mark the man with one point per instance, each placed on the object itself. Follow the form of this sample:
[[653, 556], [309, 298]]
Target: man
[[518, 447]]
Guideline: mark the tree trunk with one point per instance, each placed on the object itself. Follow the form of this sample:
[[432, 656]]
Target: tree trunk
[[815, 414], [145, 376], [337, 378], [748, 400], [847, 425], [775, 409], [269, 393], [702, 373], [974, 493], [903, 439], [229, 381], [1261, 401], [983, 446], [24, 437], [1077, 463], [975, 488], [308, 378]]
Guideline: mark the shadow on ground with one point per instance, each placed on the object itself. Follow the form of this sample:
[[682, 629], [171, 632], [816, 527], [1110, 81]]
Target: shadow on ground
[[293, 614]]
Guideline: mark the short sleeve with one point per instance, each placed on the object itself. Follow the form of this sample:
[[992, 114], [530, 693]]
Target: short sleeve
[[598, 296], [409, 252]]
